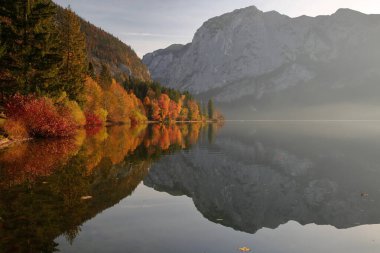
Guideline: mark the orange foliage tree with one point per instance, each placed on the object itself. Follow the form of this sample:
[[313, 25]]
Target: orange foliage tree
[[164, 102]]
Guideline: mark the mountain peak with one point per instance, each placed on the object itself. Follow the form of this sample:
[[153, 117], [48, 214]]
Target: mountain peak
[[347, 11], [261, 61]]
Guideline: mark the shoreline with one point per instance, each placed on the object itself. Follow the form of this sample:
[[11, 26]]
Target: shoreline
[[5, 143]]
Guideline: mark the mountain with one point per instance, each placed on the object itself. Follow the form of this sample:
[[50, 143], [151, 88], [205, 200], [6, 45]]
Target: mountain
[[104, 48], [267, 65]]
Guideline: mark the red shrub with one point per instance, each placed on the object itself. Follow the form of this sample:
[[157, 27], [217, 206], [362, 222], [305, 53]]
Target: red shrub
[[92, 119], [40, 116]]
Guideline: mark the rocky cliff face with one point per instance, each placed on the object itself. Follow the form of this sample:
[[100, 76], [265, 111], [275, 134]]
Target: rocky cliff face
[[258, 61]]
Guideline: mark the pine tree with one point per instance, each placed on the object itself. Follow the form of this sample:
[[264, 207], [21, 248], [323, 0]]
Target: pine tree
[[105, 77], [73, 46], [31, 58], [91, 71], [204, 110], [210, 107]]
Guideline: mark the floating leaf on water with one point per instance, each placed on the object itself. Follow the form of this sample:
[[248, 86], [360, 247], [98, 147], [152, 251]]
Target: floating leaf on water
[[219, 219], [86, 197], [244, 249], [364, 194]]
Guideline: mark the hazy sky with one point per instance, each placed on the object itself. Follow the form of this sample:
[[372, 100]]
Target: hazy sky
[[147, 25]]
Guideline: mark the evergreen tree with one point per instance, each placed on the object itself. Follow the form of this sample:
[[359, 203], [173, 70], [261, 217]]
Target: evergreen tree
[[73, 46], [210, 107], [91, 71], [31, 58], [190, 113], [204, 110], [105, 77]]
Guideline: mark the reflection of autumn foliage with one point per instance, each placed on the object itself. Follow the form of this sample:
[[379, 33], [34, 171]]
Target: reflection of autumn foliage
[[114, 143], [163, 136], [121, 142], [194, 133], [34, 216], [110, 165], [28, 161]]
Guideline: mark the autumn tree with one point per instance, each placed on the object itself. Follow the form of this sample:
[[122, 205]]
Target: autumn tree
[[155, 111], [173, 110], [73, 46], [94, 100], [164, 103], [31, 58], [193, 110]]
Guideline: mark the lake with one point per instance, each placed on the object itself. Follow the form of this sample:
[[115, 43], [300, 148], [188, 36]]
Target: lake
[[273, 186]]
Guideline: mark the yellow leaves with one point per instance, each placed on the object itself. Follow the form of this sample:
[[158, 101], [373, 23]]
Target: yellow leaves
[[164, 102], [114, 104], [244, 249], [76, 112], [15, 129]]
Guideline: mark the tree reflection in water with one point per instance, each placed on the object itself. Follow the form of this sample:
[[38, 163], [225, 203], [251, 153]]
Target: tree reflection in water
[[42, 181]]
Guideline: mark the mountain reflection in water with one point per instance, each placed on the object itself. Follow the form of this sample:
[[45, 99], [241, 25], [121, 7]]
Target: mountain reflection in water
[[270, 182], [264, 175]]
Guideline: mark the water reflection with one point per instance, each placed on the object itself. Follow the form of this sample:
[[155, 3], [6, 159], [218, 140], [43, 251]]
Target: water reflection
[[262, 175], [42, 182], [264, 179]]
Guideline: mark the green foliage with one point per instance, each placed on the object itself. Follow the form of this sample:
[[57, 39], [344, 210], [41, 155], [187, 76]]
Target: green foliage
[[141, 88], [210, 107], [73, 46], [91, 71], [105, 77], [31, 57], [203, 109]]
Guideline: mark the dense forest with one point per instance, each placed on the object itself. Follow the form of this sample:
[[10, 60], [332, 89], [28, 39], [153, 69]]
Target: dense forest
[[51, 85]]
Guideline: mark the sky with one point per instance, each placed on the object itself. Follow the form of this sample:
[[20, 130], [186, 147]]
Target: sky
[[148, 25]]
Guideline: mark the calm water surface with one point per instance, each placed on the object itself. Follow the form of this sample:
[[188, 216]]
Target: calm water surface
[[269, 186]]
